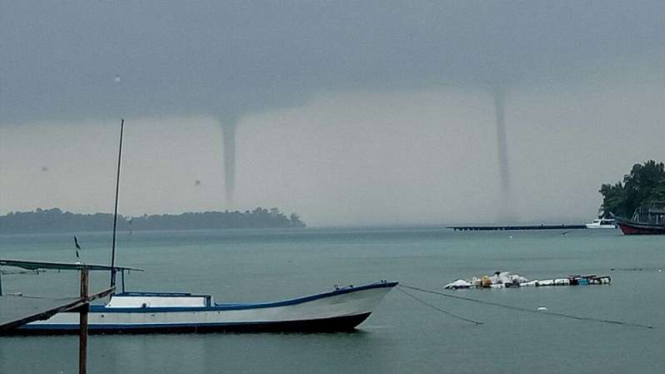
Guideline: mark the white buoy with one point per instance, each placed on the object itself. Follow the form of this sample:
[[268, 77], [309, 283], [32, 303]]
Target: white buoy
[[542, 309]]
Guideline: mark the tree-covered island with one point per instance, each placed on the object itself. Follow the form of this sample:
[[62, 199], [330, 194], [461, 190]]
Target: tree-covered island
[[645, 183], [55, 221]]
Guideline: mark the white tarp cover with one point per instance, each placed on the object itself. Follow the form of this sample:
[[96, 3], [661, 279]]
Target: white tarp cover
[[506, 279]]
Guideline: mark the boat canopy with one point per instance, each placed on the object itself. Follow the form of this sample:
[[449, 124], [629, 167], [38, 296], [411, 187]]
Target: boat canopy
[[39, 265]]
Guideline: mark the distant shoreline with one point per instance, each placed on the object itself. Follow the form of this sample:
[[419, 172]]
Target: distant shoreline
[[56, 221]]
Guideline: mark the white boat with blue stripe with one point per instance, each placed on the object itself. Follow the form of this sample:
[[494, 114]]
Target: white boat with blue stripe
[[341, 309]]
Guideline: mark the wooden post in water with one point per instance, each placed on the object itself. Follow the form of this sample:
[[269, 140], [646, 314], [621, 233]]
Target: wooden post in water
[[115, 211], [83, 324]]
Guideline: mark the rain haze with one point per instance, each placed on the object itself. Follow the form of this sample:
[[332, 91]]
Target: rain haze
[[349, 113]]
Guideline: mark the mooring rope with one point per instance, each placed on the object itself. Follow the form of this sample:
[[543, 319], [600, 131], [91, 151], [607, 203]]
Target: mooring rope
[[21, 295], [439, 309], [520, 309]]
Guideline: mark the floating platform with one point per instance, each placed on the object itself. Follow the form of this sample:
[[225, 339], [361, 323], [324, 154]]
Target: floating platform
[[518, 227], [508, 280]]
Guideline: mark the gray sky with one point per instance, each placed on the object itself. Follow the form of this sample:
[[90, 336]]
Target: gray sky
[[374, 112]]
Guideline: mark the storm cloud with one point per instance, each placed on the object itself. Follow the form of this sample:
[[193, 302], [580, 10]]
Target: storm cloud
[[59, 59], [237, 61]]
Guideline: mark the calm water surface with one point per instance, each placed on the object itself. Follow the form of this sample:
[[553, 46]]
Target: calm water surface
[[402, 336]]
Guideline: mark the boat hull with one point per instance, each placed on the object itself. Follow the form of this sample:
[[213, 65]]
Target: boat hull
[[339, 310], [636, 228], [594, 226], [324, 325]]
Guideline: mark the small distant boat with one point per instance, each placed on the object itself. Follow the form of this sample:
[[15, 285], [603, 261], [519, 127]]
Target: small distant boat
[[602, 223], [649, 219]]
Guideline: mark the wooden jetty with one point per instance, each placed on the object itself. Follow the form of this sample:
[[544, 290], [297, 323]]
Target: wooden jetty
[[517, 227], [17, 310]]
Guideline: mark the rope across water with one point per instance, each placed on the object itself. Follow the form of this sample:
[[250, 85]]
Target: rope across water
[[519, 309], [436, 308]]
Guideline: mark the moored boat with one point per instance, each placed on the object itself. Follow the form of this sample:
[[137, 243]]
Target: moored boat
[[341, 309], [649, 219], [602, 223]]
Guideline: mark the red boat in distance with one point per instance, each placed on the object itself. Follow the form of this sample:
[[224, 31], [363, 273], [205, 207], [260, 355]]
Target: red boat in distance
[[649, 219]]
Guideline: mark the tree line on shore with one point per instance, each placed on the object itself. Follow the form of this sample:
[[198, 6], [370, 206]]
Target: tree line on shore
[[644, 184], [55, 220]]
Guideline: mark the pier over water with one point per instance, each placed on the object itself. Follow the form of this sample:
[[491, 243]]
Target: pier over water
[[517, 227]]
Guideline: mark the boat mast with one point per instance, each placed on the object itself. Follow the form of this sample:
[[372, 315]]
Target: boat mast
[[115, 212]]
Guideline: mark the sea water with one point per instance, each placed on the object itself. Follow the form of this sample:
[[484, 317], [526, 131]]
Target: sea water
[[404, 335]]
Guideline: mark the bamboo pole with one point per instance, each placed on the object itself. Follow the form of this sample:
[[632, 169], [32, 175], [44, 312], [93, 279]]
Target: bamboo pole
[[115, 211]]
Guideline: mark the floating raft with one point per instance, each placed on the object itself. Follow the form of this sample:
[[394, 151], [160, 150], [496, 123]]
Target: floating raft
[[507, 280], [516, 228]]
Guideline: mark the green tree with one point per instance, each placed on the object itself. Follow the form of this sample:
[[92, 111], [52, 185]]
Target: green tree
[[645, 183]]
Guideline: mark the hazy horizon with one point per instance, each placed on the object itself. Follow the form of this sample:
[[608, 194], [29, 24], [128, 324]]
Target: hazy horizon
[[348, 113]]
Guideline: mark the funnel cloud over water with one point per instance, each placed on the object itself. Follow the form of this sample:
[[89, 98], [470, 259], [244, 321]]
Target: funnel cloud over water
[[500, 111], [353, 112], [229, 125], [504, 167]]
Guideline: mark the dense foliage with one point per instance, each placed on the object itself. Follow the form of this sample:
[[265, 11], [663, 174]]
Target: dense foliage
[[645, 183], [55, 220]]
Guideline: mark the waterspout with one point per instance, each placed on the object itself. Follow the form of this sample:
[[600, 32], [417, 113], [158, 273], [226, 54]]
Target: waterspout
[[229, 125]]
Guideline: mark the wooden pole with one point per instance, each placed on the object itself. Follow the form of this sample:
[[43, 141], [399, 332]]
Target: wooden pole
[[115, 211], [83, 321]]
